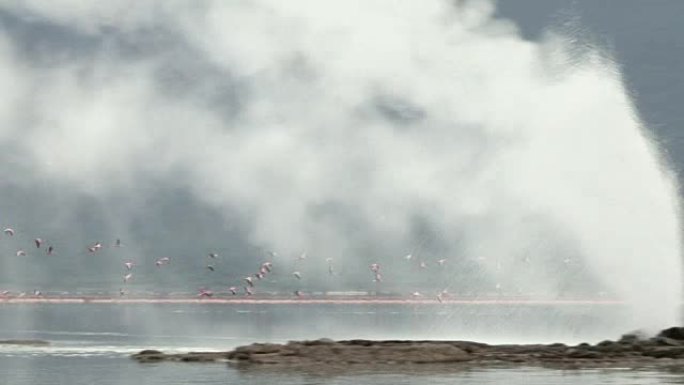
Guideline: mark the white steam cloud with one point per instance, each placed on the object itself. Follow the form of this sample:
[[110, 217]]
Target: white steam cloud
[[359, 130]]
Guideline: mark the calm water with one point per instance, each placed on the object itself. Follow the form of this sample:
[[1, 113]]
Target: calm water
[[90, 343]]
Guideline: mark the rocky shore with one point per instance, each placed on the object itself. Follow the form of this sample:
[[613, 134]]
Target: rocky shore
[[631, 350]]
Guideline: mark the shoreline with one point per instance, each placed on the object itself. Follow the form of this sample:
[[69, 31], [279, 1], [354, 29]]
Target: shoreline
[[630, 351], [310, 300]]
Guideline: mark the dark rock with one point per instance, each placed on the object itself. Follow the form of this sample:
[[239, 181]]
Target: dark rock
[[631, 350], [676, 333]]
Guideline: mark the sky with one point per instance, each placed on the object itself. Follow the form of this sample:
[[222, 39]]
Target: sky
[[534, 147]]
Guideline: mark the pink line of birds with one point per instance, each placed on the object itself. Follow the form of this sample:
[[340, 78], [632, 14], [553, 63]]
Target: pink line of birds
[[248, 282]]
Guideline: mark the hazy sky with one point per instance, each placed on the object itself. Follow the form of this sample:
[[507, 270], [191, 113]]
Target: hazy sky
[[510, 141]]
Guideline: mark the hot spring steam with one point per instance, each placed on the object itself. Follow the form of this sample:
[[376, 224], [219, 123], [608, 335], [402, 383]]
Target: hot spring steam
[[361, 131]]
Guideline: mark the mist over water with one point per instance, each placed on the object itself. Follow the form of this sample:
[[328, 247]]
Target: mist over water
[[362, 132]]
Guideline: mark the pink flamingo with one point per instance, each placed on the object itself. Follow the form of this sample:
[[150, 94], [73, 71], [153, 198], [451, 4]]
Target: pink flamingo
[[97, 246], [267, 266], [162, 261], [9, 231]]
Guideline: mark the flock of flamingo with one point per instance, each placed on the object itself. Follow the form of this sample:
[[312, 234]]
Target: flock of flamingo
[[245, 287]]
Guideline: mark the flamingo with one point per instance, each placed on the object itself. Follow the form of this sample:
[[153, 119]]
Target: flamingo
[[21, 253], [267, 266], [162, 261], [95, 247], [9, 231], [233, 290], [249, 281], [297, 275], [205, 293], [127, 277], [38, 242]]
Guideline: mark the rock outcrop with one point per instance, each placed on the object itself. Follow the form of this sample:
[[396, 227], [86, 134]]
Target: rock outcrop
[[631, 350]]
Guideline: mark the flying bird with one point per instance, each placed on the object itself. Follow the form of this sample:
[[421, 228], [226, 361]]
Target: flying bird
[[129, 265], [50, 250], [233, 290], [267, 266], [97, 246], [21, 253], [213, 255], [162, 261], [9, 231], [210, 267], [127, 277], [249, 281], [297, 275], [38, 242]]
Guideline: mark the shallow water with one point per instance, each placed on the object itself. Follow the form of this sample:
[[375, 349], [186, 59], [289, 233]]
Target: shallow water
[[92, 343]]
